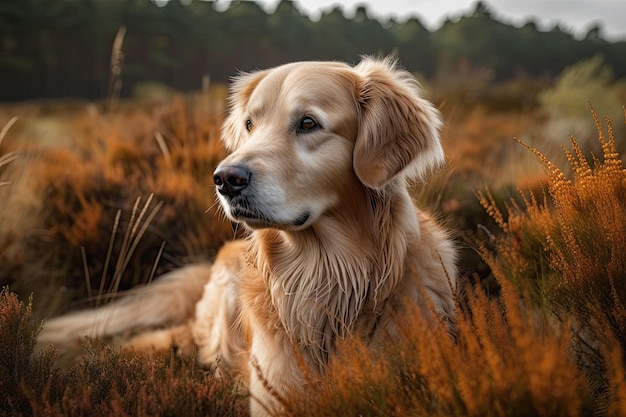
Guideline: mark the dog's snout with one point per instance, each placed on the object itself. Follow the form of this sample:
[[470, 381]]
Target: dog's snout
[[230, 180]]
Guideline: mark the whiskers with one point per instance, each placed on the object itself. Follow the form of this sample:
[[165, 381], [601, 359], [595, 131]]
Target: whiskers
[[222, 216]]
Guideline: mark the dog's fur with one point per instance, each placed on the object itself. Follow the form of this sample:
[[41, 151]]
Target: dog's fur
[[336, 247]]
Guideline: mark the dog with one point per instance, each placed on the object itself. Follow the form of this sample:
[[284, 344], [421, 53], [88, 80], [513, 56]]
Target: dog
[[321, 154]]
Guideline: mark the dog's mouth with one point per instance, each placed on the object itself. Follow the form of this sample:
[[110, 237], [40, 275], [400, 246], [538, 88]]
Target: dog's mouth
[[243, 214], [258, 220]]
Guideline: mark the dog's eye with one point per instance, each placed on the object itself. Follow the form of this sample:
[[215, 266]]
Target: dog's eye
[[248, 125], [307, 124]]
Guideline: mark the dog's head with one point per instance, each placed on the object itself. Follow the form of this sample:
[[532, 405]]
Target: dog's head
[[302, 134]]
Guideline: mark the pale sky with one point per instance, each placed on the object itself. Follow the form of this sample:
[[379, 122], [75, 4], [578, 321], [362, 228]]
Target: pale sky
[[574, 15]]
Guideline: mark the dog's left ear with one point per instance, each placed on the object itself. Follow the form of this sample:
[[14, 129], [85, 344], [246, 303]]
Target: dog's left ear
[[398, 130]]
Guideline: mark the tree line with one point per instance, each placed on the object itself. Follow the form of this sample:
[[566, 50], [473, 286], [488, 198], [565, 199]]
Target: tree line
[[63, 48]]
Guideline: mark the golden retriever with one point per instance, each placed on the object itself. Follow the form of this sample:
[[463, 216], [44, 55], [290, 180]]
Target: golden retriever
[[321, 153]]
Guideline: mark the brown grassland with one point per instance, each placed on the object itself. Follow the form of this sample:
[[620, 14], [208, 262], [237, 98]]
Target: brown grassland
[[95, 201]]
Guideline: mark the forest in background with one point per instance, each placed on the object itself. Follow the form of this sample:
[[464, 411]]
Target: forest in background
[[63, 48]]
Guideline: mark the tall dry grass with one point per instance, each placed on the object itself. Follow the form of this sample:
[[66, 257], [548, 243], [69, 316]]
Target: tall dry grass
[[565, 249], [117, 199]]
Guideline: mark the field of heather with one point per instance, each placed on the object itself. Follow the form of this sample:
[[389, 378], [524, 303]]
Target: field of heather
[[96, 198]]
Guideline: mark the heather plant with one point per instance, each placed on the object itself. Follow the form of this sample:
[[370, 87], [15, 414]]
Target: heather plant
[[103, 382], [566, 249], [128, 199], [21, 372], [500, 362]]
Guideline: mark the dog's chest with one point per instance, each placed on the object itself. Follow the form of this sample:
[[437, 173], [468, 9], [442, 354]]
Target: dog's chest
[[309, 307]]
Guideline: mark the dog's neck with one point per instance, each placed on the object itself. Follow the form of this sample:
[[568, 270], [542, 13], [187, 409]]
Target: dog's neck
[[313, 279]]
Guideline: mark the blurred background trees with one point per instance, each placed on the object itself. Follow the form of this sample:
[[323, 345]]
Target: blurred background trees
[[589, 82], [62, 48]]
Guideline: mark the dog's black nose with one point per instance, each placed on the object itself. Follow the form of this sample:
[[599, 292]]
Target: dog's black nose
[[230, 180]]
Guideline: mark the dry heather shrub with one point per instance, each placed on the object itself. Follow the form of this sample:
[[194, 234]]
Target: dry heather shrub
[[82, 228], [21, 372], [501, 362], [567, 249], [104, 382]]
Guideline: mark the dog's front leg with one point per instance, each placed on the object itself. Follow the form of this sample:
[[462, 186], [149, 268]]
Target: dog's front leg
[[215, 330], [275, 371]]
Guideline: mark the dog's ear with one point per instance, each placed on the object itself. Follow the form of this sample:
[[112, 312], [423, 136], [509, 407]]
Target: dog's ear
[[398, 130], [241, 88]]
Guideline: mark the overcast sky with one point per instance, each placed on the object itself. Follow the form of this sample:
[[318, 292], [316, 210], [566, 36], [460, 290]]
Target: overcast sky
[[573, 15]]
